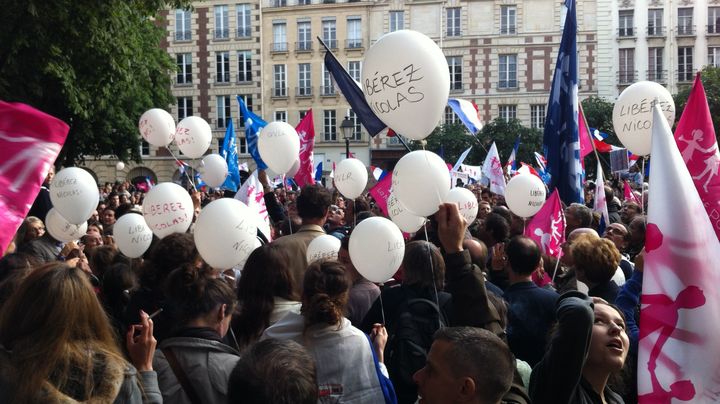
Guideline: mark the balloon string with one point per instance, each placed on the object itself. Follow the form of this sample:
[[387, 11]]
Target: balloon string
[[184, 170], [382, 307], [432, 272]]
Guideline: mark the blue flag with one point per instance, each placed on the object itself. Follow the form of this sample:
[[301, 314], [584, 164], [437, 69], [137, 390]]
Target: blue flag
[[353, 94], [560, 141], [230, 154], [318, 172], [253, 124]]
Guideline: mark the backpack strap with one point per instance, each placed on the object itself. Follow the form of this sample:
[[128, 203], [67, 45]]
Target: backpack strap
[[181, 376]]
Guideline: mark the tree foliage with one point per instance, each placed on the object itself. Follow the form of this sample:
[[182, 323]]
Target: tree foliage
[[711, 83], [97, 65]]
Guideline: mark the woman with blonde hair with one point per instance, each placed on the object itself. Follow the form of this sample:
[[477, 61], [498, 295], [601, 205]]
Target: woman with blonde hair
[[57, 345]]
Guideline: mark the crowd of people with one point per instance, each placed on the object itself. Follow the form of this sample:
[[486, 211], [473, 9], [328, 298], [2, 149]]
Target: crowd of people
[[476, 312]]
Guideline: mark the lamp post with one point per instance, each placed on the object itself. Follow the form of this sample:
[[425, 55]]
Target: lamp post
[[347, 126]]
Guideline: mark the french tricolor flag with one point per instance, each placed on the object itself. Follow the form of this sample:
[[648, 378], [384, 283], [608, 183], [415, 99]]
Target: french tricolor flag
[[468, 114]]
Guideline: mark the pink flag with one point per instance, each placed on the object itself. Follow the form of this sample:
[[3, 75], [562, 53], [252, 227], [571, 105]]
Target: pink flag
[[695, 137], [381, 192], [547, 227], [30, 141], [628, 193], [586, 146], [251, 193], [679, 356], [306, 132]]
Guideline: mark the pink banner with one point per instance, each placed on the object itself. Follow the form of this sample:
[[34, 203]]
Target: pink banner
[[306, 132], [547, 227], [381, 192], [30, 141], [695, 137], [586, 147]]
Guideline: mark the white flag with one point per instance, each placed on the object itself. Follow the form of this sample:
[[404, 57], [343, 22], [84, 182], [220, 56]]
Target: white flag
[[492, 169]]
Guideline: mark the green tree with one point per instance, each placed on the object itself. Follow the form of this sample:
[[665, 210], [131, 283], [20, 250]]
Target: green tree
[[711, 83], [97, 65], [450, 140]]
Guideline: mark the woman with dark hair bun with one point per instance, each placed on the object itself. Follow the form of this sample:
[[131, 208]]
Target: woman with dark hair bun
[[194, 364], [265, 293], [346, 370]]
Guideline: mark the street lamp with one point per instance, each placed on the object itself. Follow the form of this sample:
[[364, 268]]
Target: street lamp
[[347, 126]]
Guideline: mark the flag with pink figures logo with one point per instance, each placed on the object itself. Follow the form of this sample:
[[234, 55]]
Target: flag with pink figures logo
[[306, 132], [30, 141], [252, 194], [695, 137], [547, 227], [628, 193], [679, 356], [493, 170]]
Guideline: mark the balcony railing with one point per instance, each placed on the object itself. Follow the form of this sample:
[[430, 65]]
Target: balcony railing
[[626, 77], [328, 90], [183, 35], [507, 84], [659, 76], [353, 44], [303, 46], [329, 137], [656, 31], [244, 32], [279, 47], [183, 80], [222, 33], [331, 43], [279, 92], [222, 77], [685, 75], [303, 91], [509, 30], [628, 32], [244, 77], [686, 30], [713, 29], [456, 88]]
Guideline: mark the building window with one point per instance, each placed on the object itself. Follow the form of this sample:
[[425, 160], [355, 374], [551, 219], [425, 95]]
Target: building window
[[327, 84], [184, 68], [279, 81], [453, 21], [144, 148], [304, 2], [354, 70], [222, 24], [685, 63], [244, 66], [655, 65], [357, 130], [714, 56], [244, 21], [507, 112], [450, 116], [222, 67], [508, 71], [354, 32], [625, 27], [279, 37], [281, 116], [304, 79], [302, 114], [626, 68], [655, 22], [242, 145], [185, 107], [223, 110], [537, 116], [508, 20], [455, 65], [329, 125], [713, 20], [182, 25], [330, 34], [304, 36], [685, 21], [279, 3], [397, 20]]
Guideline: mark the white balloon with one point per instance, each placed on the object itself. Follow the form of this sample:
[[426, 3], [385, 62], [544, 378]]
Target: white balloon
[[225, 233], [279, 146], [294, 169], [322, 248], [74, 193], [406, 82], [132, 235], [376, 248], [120, 166], [157, 127], [213, 170], [466, 201], [633, 114], [403, 218], [61, 229], [193, 136], [351, 178], [525, 194], [421, 181], [168, 209]]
